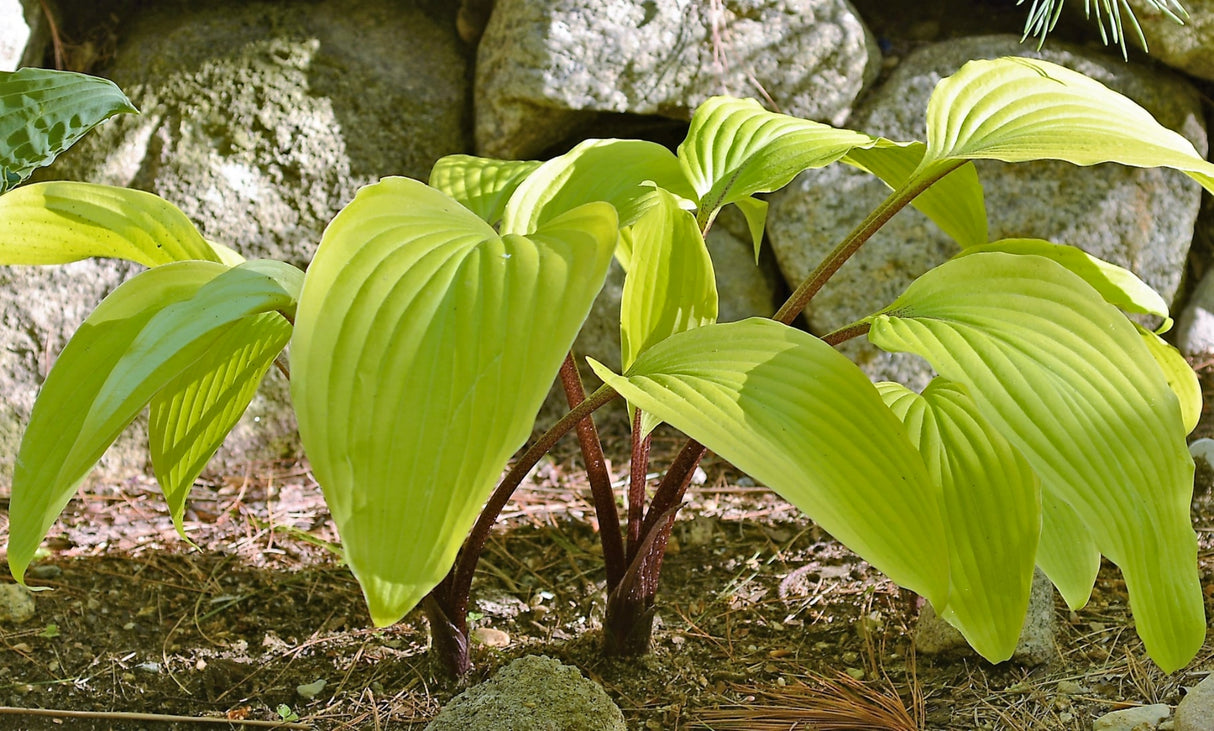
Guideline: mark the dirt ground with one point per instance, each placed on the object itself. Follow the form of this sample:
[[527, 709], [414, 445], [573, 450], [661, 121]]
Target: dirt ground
[[764, 622]]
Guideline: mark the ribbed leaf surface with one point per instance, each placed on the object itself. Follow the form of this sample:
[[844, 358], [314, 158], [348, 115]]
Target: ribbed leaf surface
[[991, 503], [60, 222], [1068, 380], [1020, 109], [43, 112], [1119, 287], [795, 414], [596, 170], [192, 415], [424, 346], [736, 148], [670, 285], [50, 465], [481, 184]]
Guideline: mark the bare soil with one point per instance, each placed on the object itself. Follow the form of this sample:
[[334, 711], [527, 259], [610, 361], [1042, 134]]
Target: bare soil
[[764, 622]]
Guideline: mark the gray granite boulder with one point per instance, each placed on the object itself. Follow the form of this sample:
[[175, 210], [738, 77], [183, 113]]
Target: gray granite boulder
[[1141, 219], [1183, 47], [533, 693], [544, 67], [260, 121]]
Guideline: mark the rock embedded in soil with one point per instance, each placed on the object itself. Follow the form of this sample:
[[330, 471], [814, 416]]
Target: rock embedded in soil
[[1143, 219], [1142, 718], [1036, 646], [16, 603], [1196, 710], [533, 693]]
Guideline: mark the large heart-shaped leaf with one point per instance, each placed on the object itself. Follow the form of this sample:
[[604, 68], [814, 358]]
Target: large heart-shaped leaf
[[736, 148], [614, 171], [1117, 285], [481, 184], [43, 112], [190, 417], [792, 412], [991, 503], [141, 338], [43, 478], [1021, 109], [59, 222], [1069, 381], [424, 346]]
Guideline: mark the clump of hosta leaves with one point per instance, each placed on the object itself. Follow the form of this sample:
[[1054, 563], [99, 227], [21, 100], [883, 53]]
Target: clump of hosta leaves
[[434, 318]]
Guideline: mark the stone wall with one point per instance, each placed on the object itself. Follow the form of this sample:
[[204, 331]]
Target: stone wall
[[260, 120]]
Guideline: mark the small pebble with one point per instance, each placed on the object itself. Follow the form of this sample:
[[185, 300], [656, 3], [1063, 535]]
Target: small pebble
[[1068, 687], [16, 603], [1140, 718], [308, 691], [490, 637], [44, 572]]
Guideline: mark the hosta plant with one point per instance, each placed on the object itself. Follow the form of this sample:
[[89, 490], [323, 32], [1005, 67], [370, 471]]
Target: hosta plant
[[434, 318]]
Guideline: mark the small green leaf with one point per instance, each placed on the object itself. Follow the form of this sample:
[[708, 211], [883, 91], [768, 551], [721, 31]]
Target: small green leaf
[[481, 184], [1180, 377], [190, 417], [670, 285], [755, 212], [614, 171], [1021, 109], [44, 112], [736, 148], [424, 345], [799, 417], [1069, 381], [954, 203], [50, 632], [1119, 287], [991, 502], [60, 222]]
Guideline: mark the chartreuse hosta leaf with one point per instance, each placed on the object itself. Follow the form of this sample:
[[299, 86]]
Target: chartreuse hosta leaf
[[736, 148], [481, 184], [190, 417], [614, 171], [1020, 109], [1180, 376], [670, 286], [991, 503], [954, 203], [791, 411], [60, 222], [1069, 381], [1118, 286], [139, 339], [424, 345], [44, 112]]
